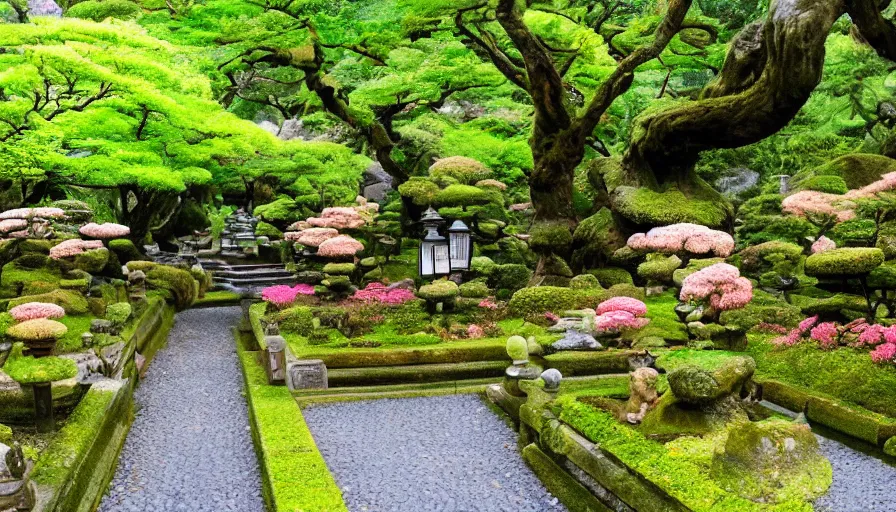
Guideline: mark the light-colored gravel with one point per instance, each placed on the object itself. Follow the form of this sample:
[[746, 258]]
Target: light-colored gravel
[[450, 454], [190, 448]]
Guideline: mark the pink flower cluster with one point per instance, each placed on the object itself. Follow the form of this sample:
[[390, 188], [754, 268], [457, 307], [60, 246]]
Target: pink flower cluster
[[884, 353], [282, 295], [73, 247], [677, 238], [856, 334], [823, 244], [312, 237], [796, 334], [378, 292], [826, 334], [343, 217], [35, 310], [886, 183], [633, 306], [27, 213], [8, 225], [808, 202], [105, 231], [620, 313], [339, 247], [474, 332], [721, 285], [488, 304]]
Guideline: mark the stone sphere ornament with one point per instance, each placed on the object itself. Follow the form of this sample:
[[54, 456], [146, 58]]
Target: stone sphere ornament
[[551, 378]]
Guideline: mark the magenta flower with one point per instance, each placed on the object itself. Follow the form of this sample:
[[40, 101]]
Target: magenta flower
[[823, 244], [282, 295], [721, 285], [488, 304], [633, 306], [474, 332], [884, 353], [825, 334], [379, 293]]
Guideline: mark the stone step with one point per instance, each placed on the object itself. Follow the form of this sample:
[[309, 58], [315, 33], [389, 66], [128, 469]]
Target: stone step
[[257, 282], [252, 274]]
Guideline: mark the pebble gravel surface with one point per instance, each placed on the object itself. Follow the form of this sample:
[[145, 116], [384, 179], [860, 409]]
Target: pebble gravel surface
[[447, 454], [190, 448], [862, 483]]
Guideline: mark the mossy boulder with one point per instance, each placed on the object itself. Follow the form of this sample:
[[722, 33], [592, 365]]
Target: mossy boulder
[[339, 269], [812, 305], [853, 233], [883, 277], [772, 461], [850, 261], [93, 261], [421, 191], [764, 308], [550, 237], [695, 265], [890, 446], [38, 246], [125, 250], [699, 386], [659, 268], [28, 370], [651, 208], [118, 313], [179, 283], [462, 195], [439, 291], [29, 268], [509, 276], [598, 236], [826, 184], [759, 258], [460, 169], [609, 276], [482, 266], [5, 435], [856, 170], [71, 301]]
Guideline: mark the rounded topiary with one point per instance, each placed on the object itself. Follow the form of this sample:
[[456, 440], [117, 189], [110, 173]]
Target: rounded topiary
[[29, 370], [850, 261], [756, 257], [659, 268], [610, 276], [464, 170], [518, 349], [462, 195], [474, 290], [180, 283], [339, 269], [538, 300], [584, 281], [550, 237], [482, 266], [421, 191], [890, 447], [93, 261], [98, 11], [71, 301], [268, 230], [827, 184], [118, 313], [37, 330], [511, 276], [439, 291]]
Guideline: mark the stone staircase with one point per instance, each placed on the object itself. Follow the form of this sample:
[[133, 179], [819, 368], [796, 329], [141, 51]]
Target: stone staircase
[[247, 277]]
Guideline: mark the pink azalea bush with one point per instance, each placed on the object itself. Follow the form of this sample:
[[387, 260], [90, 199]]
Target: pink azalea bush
[[342, 217], [8, 225], [823, 244], [474, 332], [381, 294], [721, 285], [488, 303], [677, 238], [856, 334], [35, 310], [633, 306], [73, 247], [27, 213], [282, 295], [339, 247], [313, 237], [884, 353], [105, 231], [841, 207]]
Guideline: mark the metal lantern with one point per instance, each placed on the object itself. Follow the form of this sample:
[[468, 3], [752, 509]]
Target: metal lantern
[[434, 258], [460, 244]]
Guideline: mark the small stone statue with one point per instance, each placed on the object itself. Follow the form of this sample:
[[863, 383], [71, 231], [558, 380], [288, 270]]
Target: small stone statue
[[643, 394], [137, 286]]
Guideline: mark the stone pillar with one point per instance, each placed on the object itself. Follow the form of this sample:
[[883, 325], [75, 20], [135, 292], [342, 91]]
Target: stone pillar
[[275, 359], [306, 374]]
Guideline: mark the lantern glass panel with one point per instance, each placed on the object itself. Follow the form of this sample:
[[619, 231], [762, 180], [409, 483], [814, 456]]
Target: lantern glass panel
[[460, 251], [442, 259], [427, 263]]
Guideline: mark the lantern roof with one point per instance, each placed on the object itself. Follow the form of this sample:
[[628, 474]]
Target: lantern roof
[[430, 215], [458, 226]]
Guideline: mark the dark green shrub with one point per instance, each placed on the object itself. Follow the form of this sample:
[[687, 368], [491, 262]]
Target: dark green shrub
[[609, 276], [550, 237], [125, 250], [509, 277]]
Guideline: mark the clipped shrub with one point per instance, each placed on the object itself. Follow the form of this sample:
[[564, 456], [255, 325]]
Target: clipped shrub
[[118, 313], [71, 301], [268, 230], [29, 370], [584, 281], [439, 291], [826, 184], [179, 283], [610, 276], [510, 276], [851, 261], [462, 195], [482, 266], [659, 268], [465, 170], [421, 191], [339, 269], [37, 329], [35, 310], [538, 300], [298, 319], [550, 237], [474, 290]]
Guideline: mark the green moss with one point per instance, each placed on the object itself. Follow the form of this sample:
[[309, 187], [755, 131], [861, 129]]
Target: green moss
[[339, 269], [610, 276], [814, 305], [460, 169], [659, 268], [827, 184], [191, 218], [645, 206], [462, 195], [101, 10], [269, 230], [474, 289], [31, 245], [886, 239], [560, 483], [853, 232], [439, 291], [92, 261], [294, 473], [849, 261], [510, 276], [584, 281], [118, 313], [756, 258], [77, 325], [29, 268], [71, 301], [282, 211], [541, 299], [421, 191], [80, 285], [28, 370], [890, 447], [550, 237], [598, 235], [764, 307], [180, 283], [856, 170]]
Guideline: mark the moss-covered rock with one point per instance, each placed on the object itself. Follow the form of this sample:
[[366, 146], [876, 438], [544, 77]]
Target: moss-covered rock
[[855, 232], [699, 386], [764, 308], [339, 269], [509, 277], [812, 305], [28, 370], [179, 283], [118, 313], [756, 258], [29, 268], [462, 195], [850, 261], [856, 170], [826, 184], [648, 207], [659, 268], [772, 461], [550, 237], [71, 301], [38, 246], [598, 236], [890, 447], [460, 169], [282, 211], [93, 261], [191, 218], [125, 250]]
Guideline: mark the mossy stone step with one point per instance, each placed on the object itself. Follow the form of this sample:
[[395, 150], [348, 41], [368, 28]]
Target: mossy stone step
[[415, 373]]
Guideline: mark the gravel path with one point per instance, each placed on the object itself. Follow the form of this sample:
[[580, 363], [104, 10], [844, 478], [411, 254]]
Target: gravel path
[[861, 482], [190, 448], [450, 454]]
